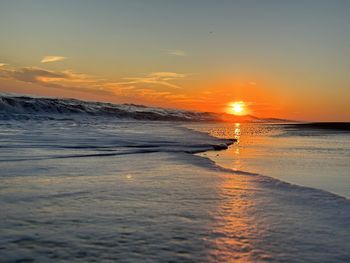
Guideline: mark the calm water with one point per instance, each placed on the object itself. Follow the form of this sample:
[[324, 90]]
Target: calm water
[[97, 190], [313, 158]]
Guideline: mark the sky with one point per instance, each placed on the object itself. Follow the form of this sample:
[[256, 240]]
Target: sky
[[284, 59]]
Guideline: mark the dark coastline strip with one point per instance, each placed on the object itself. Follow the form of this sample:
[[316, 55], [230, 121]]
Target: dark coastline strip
[[340, 126]]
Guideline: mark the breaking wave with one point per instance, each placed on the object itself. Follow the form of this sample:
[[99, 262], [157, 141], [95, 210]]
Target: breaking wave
[[24, 107]]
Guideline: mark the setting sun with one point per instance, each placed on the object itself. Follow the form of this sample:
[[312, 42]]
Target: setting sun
[[237, 108]]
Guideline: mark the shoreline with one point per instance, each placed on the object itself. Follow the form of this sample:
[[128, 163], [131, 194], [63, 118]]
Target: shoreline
[[210, 154]]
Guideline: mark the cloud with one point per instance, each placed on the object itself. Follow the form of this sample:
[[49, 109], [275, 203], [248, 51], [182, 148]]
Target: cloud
[[33, 74], [147, 89], [66, 80], [176, 52], [168, 75], [2, 64], [48, 59], [156, 78]]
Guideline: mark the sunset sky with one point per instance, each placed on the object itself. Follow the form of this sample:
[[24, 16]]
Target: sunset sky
[[287, 59]]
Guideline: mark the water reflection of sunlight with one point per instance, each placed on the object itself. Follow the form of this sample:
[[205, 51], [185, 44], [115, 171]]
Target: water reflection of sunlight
[[236, 147], [235, 229], [237, 132], [236, 233]]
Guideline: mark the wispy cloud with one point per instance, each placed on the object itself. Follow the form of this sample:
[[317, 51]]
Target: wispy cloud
[[176, 52], [132, 90], [156, 78], [66, 80], [2, 64], [48, 59], [167, 75]]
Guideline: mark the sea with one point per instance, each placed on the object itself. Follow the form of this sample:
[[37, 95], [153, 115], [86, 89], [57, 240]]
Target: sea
[[99, 189]]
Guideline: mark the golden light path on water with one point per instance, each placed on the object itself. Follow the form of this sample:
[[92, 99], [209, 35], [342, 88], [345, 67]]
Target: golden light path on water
[[236, 231], [236, 227], [251, 219]]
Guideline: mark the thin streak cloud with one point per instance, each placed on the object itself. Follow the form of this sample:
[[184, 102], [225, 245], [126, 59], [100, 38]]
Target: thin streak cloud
[[48, 59], [176, 52], [156, 78]]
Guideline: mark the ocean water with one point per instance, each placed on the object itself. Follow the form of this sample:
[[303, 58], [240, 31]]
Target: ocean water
[[317, 158], [102, 190]]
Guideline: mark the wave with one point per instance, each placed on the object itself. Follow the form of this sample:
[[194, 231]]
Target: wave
[[24, 107], [38, 108]]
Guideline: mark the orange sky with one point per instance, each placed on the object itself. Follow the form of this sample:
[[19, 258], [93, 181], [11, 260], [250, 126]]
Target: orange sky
[[284, 60], [214, 94]]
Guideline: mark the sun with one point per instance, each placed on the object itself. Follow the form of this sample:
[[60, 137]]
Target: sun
[[237, 108]]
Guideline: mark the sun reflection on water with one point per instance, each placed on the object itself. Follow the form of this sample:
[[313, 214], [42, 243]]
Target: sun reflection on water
[[247, 136], [237, 131], [235, 230]]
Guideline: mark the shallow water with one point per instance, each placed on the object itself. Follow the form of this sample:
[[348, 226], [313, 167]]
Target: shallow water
[[97, 190], [309, 157]]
